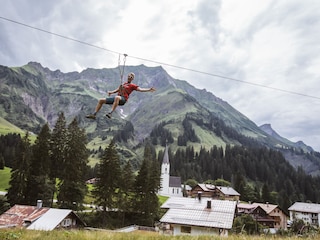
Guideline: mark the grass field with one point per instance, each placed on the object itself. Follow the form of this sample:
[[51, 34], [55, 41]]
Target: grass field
[[6, 127], [4, 178], [138, 235]]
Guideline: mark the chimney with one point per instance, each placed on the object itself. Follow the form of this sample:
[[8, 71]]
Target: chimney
[[199, 196], [209, 204], [39, 204]]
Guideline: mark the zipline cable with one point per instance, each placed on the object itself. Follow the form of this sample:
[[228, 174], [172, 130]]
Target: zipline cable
[[58, 35], [161, 63]]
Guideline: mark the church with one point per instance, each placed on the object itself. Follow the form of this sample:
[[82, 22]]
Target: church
[[170, 185]]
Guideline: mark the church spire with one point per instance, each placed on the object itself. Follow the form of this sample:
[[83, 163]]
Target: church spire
[[166, 156]]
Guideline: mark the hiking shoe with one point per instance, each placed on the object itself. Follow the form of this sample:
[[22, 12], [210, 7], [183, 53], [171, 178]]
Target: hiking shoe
[[91, 116], [108, 115]]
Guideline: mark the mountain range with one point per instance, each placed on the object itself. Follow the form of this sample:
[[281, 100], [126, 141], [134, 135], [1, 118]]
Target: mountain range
[[32, 95]]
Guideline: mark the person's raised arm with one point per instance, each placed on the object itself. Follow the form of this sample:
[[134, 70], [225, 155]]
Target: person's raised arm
[[152, 89]]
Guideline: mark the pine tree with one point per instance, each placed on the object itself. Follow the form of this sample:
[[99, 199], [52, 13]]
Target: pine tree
[[4, 205], [1, 162], [126, 197], [58, 146], [126, 186], [72, 187], [39, 185], [265, 193], [146, 187], [20, 173], [106, 189]]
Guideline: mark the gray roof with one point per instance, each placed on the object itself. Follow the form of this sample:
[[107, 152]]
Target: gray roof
[[305, 207], [225, 190], [191, 211], [175, 182], [50, 220], [186, 187]]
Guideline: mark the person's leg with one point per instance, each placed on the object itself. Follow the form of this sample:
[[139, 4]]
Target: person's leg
[[115, 103], [97, 109], [118, 100], [99, 105]]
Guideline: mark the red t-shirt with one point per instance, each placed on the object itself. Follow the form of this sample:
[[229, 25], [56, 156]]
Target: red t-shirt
[[127, 89]]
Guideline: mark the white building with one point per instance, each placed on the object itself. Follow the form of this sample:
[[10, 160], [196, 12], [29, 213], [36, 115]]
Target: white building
[[197, 216], [308, 212], [170, 185]]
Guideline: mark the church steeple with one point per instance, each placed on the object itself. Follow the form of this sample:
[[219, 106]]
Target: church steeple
[[165, 172], [170, 185], [166, 156]]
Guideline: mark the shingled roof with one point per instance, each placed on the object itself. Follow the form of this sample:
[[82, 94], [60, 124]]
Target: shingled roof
[[305, 207], [21, 215], [191, 211]]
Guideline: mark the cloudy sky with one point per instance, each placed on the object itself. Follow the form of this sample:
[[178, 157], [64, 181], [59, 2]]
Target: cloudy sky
[[262, 57]]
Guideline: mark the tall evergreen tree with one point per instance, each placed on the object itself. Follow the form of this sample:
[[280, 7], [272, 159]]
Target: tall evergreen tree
[[58, 146], [1, 162], [39, 185], [72, 187], [146, 187], [266, 197], [126, 186], [20, 173], [106, 189]]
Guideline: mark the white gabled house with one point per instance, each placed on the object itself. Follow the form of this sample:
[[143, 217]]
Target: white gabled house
[[308, 212], [197, 216]]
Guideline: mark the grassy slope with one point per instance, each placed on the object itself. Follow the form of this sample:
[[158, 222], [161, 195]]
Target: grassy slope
[[4, 178], [6, 127]]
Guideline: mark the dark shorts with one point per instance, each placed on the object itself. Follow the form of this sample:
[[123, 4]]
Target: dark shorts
[[110, 100]]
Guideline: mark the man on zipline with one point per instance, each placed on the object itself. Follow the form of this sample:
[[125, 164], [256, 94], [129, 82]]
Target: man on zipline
[[123, 91]]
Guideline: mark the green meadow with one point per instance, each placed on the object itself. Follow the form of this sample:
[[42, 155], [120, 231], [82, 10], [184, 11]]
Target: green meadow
[[4, 178], [137, 235]]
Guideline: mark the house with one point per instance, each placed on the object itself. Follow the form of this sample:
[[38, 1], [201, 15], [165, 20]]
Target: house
[[268, 215], [308, 212], [57, 219], [197, 216], [186, 189], [170, 185], [257, 213], [21, 216], [215, 192], [40, 218]]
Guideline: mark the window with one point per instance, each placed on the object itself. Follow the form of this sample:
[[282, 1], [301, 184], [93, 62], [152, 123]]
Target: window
[[185, 229], [66, 222]]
